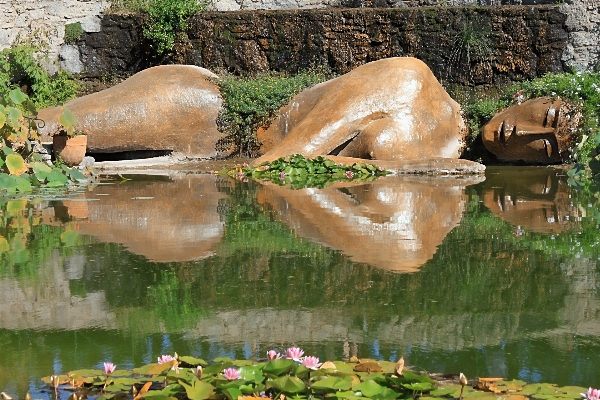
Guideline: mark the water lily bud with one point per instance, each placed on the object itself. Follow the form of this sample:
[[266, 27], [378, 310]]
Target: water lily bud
[[6, 396], [399, 367], [198, 371], [176, 356], [27, 396], [463, 379], [54, 379], [133, 390]]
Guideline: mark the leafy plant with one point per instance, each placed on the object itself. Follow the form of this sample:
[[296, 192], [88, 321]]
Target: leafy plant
[[301, 172], [68, 124], [20, 69], [251, 103], [73, 32], [278, 378], [167, 20], [22, 167], [472, 43], [129, 5]]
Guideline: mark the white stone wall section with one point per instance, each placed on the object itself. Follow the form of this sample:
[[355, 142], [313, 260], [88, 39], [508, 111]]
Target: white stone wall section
[[583, 25], [43, 21]]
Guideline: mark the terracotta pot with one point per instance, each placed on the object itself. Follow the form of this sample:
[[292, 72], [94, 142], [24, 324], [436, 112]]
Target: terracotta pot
[[71, 150]]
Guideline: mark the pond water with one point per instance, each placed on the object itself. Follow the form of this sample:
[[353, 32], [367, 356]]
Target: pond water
[[494, 277]]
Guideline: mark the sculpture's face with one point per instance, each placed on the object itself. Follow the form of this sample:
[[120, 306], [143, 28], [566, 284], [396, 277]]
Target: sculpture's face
[[538, 131]]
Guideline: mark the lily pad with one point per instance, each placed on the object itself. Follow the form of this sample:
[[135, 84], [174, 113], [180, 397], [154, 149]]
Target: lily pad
[[288, 384], [334, 383]]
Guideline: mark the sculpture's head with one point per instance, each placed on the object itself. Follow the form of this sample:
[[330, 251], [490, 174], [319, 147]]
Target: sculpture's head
[[538, 131]]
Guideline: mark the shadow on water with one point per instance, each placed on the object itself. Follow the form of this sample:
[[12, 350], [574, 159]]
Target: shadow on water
[[503, 275]]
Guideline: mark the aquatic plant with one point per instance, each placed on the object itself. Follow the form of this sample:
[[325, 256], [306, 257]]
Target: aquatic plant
[[294, 353], [231, 374], [591, 394], [273, 355], [300, 172], [311, 362], [109, 368], [281, 378]]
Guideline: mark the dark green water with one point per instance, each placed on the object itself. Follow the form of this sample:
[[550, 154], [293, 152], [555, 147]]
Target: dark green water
[[493, 278]]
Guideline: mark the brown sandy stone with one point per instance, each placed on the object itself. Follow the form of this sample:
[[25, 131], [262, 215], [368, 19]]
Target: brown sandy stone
[[538, 131], [392, 109], [171, 107]]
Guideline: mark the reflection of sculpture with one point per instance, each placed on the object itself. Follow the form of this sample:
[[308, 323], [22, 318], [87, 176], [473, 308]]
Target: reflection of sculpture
[[533, 199], [391, 109], [539, 131], [392, 223], [163, 221]]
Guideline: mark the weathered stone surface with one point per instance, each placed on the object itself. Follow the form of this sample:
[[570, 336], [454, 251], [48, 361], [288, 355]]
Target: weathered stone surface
[[528, 34], [539, 131], [440, 167], [391, 109], [524, 42], [162, 108]]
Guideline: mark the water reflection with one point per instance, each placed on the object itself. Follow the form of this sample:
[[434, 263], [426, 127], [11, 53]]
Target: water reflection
[[211, 267], [395, 223], [165, 221], [534, 199]]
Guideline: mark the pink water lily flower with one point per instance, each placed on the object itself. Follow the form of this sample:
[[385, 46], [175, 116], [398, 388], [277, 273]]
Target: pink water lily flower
[[273, 355], [165, 358], [109, 368], [231, 374], [311, 362], [349, 174], [295, 353], [592, 394]]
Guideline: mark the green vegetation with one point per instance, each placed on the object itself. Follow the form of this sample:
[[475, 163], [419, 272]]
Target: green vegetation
[[471, 44], [21, 167], [579, 89], [297, 376], [167, 20], [20, 69], [301, 172], [251, 103], [73, 32], [125, 6]]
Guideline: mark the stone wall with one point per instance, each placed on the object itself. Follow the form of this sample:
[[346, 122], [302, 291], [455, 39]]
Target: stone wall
[[43, 21], [502, 44], [583, 24], [525, 41]]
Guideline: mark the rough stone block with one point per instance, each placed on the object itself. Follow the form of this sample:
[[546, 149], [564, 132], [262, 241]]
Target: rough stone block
[[69, 59]]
